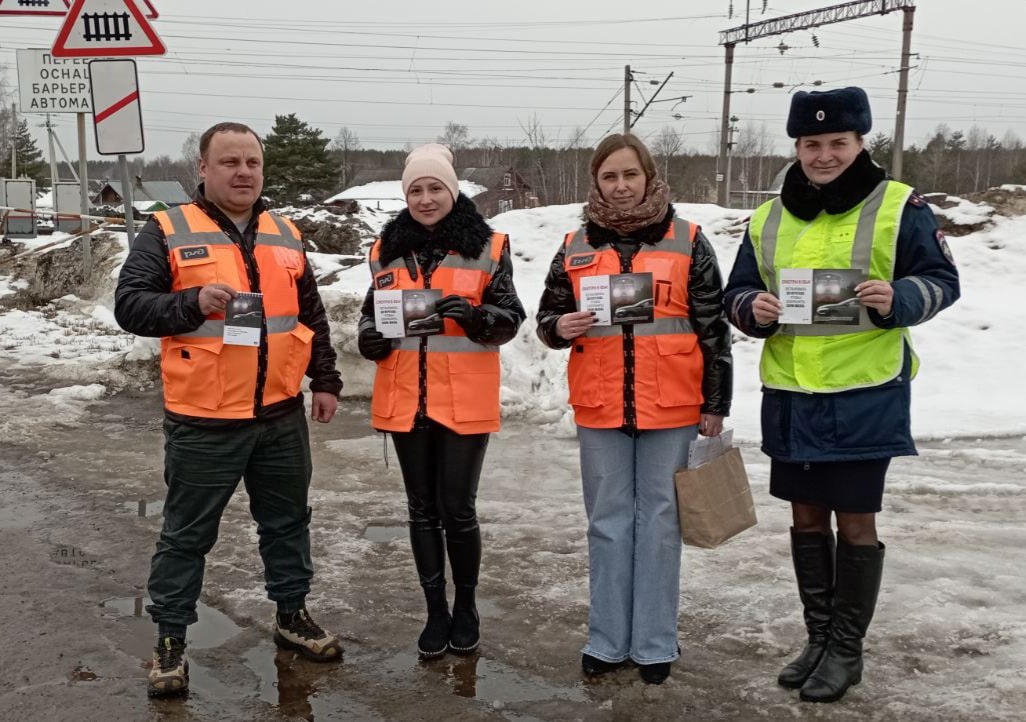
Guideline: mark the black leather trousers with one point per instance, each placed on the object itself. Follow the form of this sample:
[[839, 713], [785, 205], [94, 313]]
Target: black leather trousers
[[441, 470]]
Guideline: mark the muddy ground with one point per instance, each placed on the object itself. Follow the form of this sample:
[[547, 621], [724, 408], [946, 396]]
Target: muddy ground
[[80, 512]]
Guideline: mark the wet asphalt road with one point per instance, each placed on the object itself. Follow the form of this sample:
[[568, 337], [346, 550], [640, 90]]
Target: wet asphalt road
[[79, 516]]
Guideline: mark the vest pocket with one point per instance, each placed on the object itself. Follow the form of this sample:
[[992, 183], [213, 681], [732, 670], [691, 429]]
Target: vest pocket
[[679, 370], [383, 396], [474, 379], [191, 372], [197, 266], [299, 349], [584, 375]]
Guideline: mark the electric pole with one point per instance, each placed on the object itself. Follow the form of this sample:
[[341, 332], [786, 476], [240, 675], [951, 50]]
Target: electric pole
[[627, 99], [53, 159], [899, 119], [804, 21]]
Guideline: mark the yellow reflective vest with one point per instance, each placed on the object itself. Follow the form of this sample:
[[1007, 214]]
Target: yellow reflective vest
[[828, 358]]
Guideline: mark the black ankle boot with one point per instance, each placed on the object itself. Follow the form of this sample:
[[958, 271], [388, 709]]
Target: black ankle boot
[[813, 557], [593, 666], [654, 673], [434, 639], [859, 569], [465, 633]]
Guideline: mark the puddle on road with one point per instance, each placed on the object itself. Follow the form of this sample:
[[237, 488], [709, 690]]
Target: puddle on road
[[144, 508], [385, 534], [81, 673], [487, 680], [289, 683], [213, 629]]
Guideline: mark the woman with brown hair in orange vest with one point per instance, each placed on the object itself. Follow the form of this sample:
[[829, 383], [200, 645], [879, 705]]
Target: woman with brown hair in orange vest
[[643, 385], [438, 395]]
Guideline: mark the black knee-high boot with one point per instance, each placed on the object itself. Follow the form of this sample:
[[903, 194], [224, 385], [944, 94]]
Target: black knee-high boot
[[813, 557], [859, 569], [464, 547], [429, 555]]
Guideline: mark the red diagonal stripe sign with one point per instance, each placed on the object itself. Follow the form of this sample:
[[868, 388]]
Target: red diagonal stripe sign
[[104, 114]]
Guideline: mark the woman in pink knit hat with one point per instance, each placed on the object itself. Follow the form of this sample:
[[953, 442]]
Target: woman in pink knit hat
[[437, 386]]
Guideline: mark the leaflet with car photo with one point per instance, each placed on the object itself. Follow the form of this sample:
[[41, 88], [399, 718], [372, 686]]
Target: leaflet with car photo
[[622, 298], [398, 314], [244, 319], [820, 295]]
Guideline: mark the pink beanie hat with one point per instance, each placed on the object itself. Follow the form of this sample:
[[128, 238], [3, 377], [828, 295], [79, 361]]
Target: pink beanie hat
[[432, 160]]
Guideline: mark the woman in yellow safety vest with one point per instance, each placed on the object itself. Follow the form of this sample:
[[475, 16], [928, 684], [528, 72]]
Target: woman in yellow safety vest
[[437, 384], [836, 366], [648, 371]]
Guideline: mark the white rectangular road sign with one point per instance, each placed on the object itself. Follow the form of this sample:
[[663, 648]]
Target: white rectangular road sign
[[20, 193], [52, 85], [117, 115]]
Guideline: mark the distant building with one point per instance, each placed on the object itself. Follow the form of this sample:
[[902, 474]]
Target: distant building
[[166, 192], [494, 190], [505, 190]]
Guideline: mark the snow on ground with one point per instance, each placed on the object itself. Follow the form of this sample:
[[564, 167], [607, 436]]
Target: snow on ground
[[388, 196], [948, 640], [965, 212], [970, 353], [969, 383]]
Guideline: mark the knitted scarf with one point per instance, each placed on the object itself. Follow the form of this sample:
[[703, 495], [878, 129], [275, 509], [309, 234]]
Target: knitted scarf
[[651, 210]]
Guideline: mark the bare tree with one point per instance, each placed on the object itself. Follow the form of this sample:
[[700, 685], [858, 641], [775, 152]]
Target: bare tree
[[535, 134], [7, 119], [668, 144], [976, 145], [345, 143], [456, 136], [489, 152], [191, 157]]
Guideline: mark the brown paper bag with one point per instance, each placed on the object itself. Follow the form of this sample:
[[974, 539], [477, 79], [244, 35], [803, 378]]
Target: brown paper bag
[[714, 501]]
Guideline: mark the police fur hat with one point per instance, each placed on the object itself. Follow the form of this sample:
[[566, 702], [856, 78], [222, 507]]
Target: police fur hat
[[829, 111]]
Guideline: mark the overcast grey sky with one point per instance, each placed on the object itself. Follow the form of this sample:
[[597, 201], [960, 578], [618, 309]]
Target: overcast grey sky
[[395, 72]]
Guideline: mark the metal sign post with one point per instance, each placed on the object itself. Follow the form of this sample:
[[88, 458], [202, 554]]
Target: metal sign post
[[117, 119]]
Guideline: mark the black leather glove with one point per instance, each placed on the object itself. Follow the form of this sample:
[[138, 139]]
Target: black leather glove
[[373, 346], [461, 311]]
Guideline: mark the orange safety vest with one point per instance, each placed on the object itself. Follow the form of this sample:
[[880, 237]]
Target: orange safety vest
[[462, 376], [667, 360], [202, 375]]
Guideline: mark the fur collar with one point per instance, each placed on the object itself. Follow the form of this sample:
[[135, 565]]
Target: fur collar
[[464, 230], [652, 234], [801, 198]]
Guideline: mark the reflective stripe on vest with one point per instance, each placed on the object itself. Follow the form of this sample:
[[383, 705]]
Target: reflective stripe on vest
[[462, 375], [832, 357], [203, 376], [668, 362]]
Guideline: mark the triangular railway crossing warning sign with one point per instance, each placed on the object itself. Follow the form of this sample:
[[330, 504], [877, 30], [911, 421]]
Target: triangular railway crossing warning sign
[[57, 8], [34, 7], [106, 28]]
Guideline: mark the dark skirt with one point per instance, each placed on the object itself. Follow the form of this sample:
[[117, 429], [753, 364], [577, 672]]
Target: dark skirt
[[851, 487]]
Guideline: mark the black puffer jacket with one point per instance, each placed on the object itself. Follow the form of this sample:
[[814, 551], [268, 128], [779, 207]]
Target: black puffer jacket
[[705, 296], [465, 231], [145, 305]]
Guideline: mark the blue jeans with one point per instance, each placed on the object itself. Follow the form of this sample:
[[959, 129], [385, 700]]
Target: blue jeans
[[634, 543]]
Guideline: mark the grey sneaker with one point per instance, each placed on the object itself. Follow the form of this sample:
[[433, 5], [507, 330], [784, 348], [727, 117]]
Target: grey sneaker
[[300, 633], [170, 672]]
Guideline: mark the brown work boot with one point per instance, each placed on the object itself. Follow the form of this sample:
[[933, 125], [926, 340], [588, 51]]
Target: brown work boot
[[299, 632], [170, 672]]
